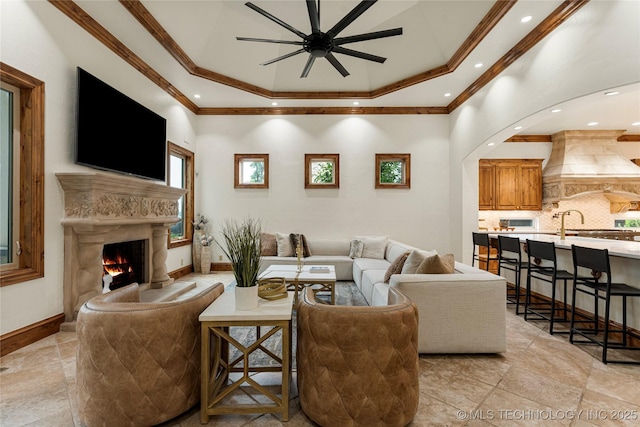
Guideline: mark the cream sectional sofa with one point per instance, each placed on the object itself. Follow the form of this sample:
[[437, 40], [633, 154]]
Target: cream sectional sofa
[[463, 312]]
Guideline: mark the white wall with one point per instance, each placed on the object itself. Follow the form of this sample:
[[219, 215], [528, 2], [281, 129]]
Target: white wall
[[40, 41], [596, 49], [418, 216]]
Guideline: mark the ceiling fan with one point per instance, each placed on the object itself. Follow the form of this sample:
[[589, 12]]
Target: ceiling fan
[[324, 44]]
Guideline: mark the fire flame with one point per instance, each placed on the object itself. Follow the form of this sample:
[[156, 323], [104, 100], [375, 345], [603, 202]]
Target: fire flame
[[116, 266]]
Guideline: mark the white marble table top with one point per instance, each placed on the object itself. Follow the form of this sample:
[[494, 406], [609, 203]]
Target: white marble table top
[[620, 248]]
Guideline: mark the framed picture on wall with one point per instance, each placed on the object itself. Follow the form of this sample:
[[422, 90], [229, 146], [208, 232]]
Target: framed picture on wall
[[251, 171], [393, 170], [321, 171]]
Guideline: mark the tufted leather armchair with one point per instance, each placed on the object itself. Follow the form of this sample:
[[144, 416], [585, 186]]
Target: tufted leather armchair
[[358, 366], [138, 364]]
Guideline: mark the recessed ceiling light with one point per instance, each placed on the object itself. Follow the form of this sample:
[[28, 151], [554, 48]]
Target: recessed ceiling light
[[517, 127], [447, 94], [525, 19], [592, 123], [556, 110], [615, 92], [478, 65], [356, 103], [274, 103], [491, 144], [635, 124], [196, 96]]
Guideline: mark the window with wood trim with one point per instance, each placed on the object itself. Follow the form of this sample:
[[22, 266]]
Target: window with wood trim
[[251, 171], [321, 171], [393, 171], [24, 243], [181, 175]]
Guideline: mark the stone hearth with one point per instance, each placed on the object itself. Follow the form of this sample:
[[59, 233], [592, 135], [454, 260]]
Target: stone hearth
[[102, 208]]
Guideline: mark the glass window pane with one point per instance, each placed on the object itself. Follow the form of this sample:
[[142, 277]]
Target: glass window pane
[[6, 177], [177, 180], [252, 171], [392, 172], [322, 172]]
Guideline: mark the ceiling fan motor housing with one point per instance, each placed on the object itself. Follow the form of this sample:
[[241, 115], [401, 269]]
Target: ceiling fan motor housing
[[318, 44]]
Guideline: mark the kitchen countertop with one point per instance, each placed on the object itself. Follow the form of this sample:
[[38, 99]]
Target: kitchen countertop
[[619, 248]]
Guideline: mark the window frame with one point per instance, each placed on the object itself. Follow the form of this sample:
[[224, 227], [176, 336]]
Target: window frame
[[405, 158], [310, 158], [238, 159], [31, 215], [189, 173]]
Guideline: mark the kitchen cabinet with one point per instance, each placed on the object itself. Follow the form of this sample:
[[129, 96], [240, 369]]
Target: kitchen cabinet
[[510, 184]]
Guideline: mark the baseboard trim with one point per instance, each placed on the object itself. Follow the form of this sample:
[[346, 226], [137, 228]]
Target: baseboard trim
[[221, 266], [181, 272], [22, 337]]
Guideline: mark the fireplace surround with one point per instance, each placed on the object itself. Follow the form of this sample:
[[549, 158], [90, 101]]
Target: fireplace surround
[[104, 208]]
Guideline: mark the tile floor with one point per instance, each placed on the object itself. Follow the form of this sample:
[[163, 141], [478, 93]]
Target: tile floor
[[540, 380]]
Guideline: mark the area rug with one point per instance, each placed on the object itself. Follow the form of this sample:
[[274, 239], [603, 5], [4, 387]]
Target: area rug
[[347, 293]]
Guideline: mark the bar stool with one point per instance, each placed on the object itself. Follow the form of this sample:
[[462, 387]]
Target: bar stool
[[539, 252], [510, 258], [481, 240], [592, 283]]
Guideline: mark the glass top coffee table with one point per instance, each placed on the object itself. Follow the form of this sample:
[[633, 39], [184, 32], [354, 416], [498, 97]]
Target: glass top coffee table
[[321, 277]]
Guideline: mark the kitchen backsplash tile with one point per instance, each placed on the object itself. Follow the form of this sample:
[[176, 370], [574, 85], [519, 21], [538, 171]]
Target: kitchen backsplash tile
[[595, 208]]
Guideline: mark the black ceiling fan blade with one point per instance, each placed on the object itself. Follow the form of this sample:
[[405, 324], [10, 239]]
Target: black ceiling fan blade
[[307, 66], [314, 15], [251, 39], [368, 36], [276, 20], [350, 17], [338, 66], [288, 55], [361, 55]]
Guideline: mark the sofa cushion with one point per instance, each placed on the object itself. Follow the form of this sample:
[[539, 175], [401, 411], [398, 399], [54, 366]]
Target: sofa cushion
[[414, 260], [294, 242], [380, 295], [363, 264], [329, 246], [396, 266], [437, 265], [285, 248], [374, 246], [369, 280], [268, 244], [355, 249]]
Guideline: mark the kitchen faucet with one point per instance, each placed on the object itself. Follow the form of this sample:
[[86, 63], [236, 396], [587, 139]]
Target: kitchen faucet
[[561, 215]]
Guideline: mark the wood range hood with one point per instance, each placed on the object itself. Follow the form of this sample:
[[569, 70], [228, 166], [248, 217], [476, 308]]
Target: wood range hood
[[587, 162]]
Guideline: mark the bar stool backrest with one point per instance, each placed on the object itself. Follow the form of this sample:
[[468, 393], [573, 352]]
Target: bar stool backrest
[[542, 250], [509, 244], [481, 239], [595, 259]]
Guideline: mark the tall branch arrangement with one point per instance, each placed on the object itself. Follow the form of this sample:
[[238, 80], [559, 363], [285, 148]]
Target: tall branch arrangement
[[242, 247]]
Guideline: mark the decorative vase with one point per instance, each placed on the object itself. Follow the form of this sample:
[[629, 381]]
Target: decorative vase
[[196, 248], [246, 297], [205, 260]]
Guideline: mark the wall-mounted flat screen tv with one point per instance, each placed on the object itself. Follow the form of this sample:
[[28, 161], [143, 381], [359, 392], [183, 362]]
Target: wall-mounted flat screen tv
[[116, 133]]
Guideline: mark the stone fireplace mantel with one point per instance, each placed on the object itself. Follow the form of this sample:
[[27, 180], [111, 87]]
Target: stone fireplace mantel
[[103, 208]]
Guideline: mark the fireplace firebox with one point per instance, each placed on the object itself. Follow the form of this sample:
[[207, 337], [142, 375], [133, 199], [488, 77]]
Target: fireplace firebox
[[123, 263]]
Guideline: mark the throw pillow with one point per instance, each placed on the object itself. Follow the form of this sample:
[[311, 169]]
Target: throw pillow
[[374, 246], [396, 266], [305, 246], [437, 265], [284, 245], [355, 250], [414, 260], [268, 244]]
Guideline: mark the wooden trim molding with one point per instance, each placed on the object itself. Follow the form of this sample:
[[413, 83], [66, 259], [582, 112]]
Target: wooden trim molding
[[31, 261], [550, 23], [547, 138], [495, 14], [22, 337]]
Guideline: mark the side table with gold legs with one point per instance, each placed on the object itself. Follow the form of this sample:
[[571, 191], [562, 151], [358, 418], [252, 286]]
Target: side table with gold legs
[[221, 377]]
